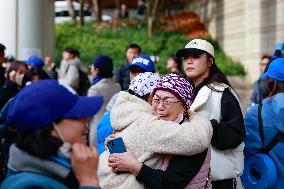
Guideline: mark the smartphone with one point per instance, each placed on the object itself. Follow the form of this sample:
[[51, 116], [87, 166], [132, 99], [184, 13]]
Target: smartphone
[[116, 146]]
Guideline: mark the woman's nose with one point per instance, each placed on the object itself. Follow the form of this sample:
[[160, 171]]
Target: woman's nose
[[189, 60], [161, 106]]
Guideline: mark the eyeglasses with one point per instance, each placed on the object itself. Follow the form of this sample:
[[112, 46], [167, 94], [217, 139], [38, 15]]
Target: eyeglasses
[[166, 102]]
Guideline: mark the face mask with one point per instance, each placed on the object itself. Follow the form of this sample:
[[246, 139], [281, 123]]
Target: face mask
[[180, 118], [65, 148], [19, 79]]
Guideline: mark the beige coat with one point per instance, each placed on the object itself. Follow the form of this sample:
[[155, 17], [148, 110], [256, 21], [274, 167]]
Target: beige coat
[[69, 73], [146, 137], [106, 87]]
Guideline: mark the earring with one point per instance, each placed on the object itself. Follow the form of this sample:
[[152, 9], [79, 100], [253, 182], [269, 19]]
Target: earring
[[185, 114]]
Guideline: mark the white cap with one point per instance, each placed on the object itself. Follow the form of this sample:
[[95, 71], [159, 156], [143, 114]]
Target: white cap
[[196, 46]]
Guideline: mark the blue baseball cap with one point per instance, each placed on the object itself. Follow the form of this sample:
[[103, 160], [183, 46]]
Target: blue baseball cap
[[275, 70], [46, 101], [103, 63], [144, 62], [35, 61]]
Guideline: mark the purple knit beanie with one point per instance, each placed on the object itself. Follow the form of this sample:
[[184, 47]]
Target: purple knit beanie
[[177, 85]]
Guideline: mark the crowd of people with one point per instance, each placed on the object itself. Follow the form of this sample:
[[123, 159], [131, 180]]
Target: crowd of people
[[181, 130]]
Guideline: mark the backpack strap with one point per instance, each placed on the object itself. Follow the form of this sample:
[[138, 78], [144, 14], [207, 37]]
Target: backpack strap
[[279, 136], [273, 142], [260, 125]]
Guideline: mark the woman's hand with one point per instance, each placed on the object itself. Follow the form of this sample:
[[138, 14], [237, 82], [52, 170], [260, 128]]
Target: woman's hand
[[110, 137], [12, 75], [84, 161], [125, 162]]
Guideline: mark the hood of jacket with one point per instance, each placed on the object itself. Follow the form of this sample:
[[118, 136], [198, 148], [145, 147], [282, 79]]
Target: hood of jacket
[[126, 105]]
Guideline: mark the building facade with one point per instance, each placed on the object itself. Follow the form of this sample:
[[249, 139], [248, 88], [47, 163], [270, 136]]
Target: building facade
[[244, 29]]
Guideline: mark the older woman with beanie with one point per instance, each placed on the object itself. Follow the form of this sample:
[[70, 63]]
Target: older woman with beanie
[[51, 149], [103, 85], [149, 137]]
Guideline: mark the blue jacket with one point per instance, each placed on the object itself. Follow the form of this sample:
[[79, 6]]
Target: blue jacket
[[27, 171], [33, 180], [273, 122], [104, 129]]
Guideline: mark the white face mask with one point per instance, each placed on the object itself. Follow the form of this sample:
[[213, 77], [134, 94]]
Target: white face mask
[[19, 79], [65, 148]]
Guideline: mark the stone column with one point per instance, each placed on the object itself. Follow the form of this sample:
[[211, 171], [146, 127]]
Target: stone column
[[280, 21], [253, 37], [8, 22], [27, 27]]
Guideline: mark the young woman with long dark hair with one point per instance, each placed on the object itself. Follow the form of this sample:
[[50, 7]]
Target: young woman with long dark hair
[[215, 98]]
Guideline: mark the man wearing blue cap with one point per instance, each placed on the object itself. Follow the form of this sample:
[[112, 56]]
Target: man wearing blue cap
[[141, 64], [51, 149]]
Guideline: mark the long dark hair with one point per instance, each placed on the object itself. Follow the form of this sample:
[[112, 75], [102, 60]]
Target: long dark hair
[[215, 75], [40, 144], [274, 87]]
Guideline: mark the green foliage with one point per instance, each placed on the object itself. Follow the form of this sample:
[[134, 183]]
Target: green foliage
[[92, 40]]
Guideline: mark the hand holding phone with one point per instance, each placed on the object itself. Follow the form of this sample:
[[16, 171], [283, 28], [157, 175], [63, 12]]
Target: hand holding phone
[[116, 146]]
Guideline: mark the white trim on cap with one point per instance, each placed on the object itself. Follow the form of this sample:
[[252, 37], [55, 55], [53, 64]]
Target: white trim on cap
[[141, 60]]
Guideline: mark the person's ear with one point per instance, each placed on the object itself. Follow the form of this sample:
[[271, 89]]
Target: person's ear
[[210, 62], [149, 99], [54, 133], [97, 70]]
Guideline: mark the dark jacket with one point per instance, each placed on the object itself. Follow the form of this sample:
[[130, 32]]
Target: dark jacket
[[181, 170], [7, 91], [2, 75], [122, 76]]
